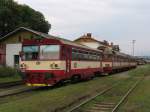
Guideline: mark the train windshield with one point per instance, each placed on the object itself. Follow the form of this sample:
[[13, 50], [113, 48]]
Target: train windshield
[[49, 52], [30, 52]]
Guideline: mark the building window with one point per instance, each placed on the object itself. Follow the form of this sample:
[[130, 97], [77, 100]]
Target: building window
[[20, 39], [31, 37]]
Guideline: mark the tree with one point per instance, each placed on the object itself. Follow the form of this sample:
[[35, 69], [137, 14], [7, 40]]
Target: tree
[[14, 15]]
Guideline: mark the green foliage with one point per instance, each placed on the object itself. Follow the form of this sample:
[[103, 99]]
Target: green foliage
[[14, 15], [8, 72]]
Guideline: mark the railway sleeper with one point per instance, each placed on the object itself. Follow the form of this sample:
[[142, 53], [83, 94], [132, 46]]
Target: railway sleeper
[[95, 109], [103, 105]]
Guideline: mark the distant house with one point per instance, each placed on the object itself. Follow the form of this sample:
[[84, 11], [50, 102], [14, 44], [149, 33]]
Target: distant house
[[90, 41], [10, 45], [104, 45]]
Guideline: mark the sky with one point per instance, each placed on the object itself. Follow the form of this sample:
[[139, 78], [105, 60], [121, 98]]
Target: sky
[[118, 21]]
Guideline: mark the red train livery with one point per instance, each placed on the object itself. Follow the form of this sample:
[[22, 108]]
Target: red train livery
[[45, 62]]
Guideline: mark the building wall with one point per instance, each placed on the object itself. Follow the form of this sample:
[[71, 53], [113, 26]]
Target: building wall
[[2, 54], [13, 46], [94, 45], [11, 51]]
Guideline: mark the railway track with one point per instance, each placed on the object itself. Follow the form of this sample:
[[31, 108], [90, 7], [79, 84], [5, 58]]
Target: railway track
[[10, 84], [105, 106], [15, 90]]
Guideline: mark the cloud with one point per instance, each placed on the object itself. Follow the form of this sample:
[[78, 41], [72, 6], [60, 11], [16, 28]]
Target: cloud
[[120, 21]]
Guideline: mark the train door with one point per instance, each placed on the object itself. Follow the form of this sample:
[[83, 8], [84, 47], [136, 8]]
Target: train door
[[101, 61], [68, 58]]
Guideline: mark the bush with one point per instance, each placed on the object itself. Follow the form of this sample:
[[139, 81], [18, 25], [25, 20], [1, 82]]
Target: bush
[[8, 72]]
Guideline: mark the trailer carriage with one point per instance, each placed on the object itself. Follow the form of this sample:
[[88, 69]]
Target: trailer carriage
[[114, 61]]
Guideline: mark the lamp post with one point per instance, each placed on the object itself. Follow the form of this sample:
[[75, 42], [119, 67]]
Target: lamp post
[[133, 46]]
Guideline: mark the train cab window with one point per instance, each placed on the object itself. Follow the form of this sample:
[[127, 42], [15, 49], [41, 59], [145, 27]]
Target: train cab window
[[49, 52], [30, 52]]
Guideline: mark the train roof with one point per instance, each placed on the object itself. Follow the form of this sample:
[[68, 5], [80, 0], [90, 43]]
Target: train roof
[[124, 55], [65, 41], [113, 52], [68, 42]]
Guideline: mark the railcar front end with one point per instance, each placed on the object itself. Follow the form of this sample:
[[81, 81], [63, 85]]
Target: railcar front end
[[41, 63]]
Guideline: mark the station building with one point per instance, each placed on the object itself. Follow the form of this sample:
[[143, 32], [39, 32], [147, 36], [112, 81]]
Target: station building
[[10, 45]]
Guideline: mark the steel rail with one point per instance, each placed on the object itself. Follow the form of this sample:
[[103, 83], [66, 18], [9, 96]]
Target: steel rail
[[16, 92], [10, 84], [106, 90], [126, 95], [101, 93]]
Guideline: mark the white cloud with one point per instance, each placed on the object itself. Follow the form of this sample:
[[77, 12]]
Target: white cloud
[[119, 21]]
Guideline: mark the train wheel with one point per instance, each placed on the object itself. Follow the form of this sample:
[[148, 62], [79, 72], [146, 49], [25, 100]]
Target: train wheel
[[75, 78]]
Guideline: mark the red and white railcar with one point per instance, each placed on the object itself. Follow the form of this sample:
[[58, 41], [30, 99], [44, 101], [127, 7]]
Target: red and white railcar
[[115, 62], [46, 62]]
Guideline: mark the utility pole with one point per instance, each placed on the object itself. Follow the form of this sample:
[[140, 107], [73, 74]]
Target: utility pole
[[133, 45]]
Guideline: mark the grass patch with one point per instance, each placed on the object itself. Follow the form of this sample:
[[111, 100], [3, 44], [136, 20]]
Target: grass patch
[[112, 96], [140, 71], [50, 99], [139, 99], [8, 74], [116, 93], [10, 79]]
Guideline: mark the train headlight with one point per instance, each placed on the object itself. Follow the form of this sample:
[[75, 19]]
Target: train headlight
[[54, 66], [23, 66], [49, 75]]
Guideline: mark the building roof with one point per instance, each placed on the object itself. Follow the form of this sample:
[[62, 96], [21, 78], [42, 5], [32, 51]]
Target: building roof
[[88, 38], [16, 30], [44, 35]]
